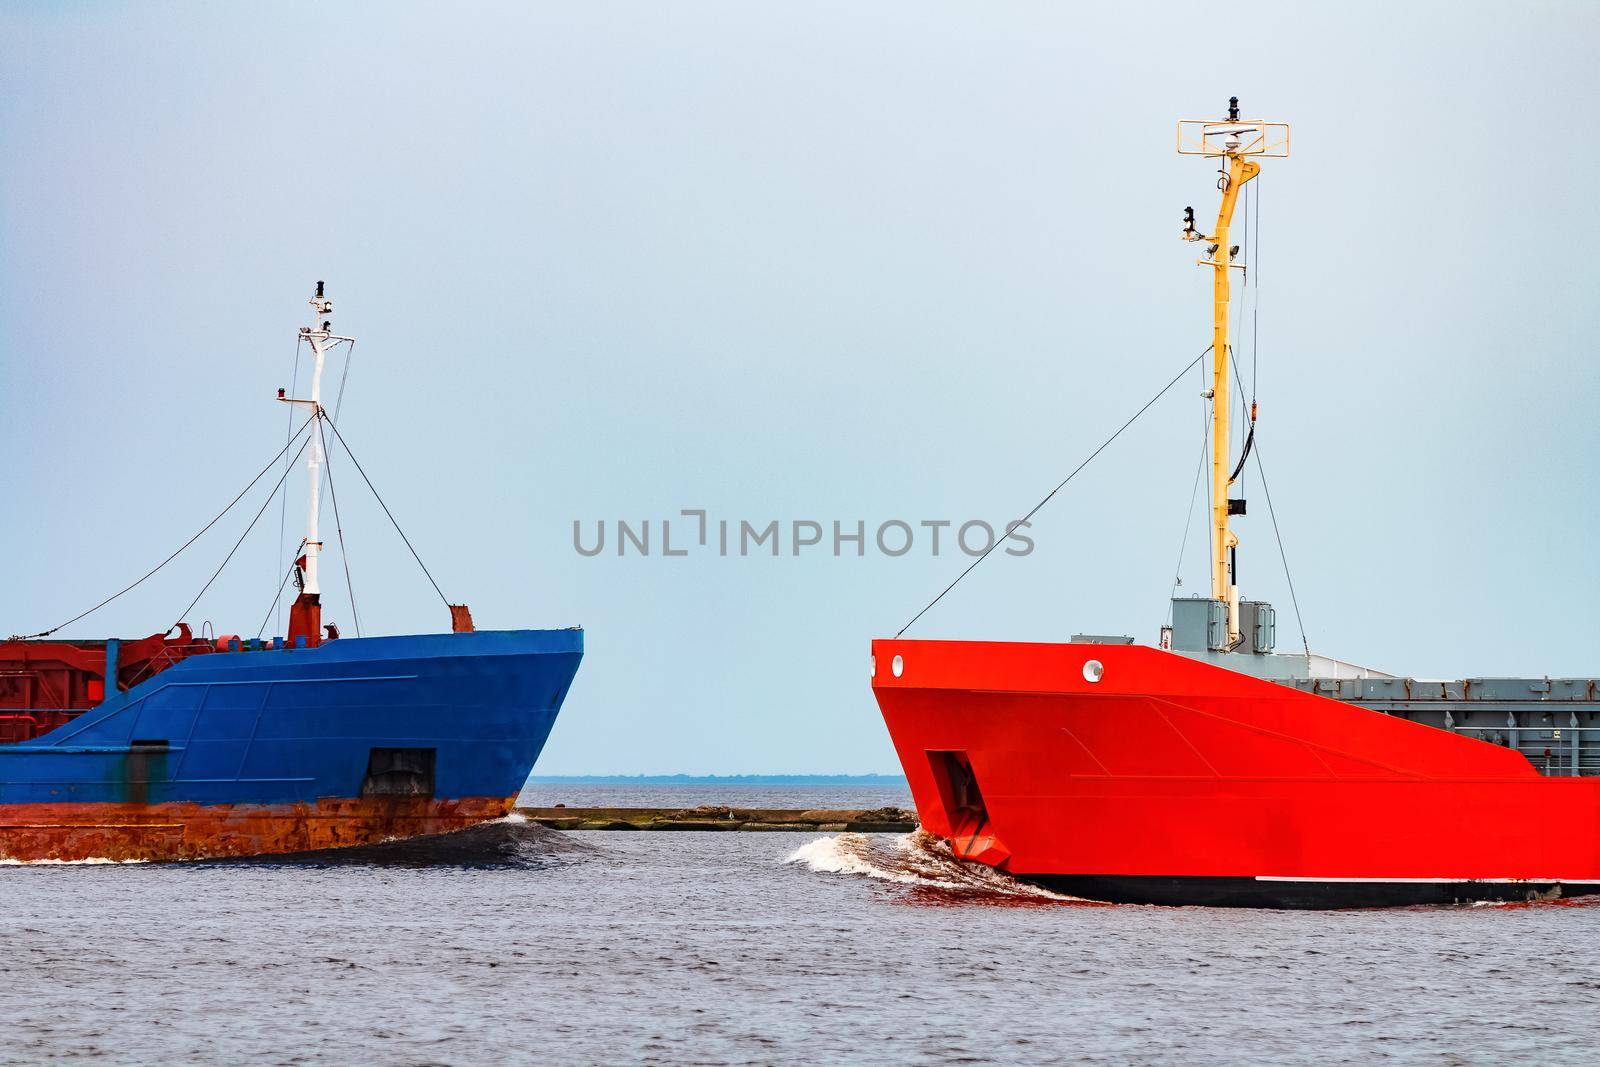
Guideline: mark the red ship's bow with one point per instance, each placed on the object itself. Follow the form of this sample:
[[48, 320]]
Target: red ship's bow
[[1125, 772]]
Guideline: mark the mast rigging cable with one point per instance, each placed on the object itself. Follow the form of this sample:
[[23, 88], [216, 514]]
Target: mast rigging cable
[[1010, 527], [259, 512], [276, 597], [1188, 522], [1276, 533], [283, 500], [340, 437], [283, 509], [270, 464], [338, 526]]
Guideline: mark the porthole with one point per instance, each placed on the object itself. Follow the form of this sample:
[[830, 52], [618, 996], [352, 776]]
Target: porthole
[[1093, 670], [898, 666]]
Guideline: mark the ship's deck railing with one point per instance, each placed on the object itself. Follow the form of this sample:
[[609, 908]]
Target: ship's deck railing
[[1471, 691], [167, 657], [1553, 722], [1554, 751]]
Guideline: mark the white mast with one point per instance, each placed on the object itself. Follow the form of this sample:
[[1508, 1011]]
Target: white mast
[[322, 340], [317, 335]]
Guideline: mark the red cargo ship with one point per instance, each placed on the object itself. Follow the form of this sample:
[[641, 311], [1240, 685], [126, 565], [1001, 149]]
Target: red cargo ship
[[1215, 770]]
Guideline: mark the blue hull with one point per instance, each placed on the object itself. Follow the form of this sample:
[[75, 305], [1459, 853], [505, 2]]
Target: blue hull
[[412, 728]]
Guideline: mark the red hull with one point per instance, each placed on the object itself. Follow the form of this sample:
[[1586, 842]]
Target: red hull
[[186, 831], [1188, 779]]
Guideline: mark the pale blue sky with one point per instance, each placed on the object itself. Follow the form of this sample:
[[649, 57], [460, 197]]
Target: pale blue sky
[[803, 261]]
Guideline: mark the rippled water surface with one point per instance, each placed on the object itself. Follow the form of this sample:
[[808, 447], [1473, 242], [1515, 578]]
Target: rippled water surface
[[519, 944]]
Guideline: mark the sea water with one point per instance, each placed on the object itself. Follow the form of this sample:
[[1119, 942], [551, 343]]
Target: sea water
[[518, 944]]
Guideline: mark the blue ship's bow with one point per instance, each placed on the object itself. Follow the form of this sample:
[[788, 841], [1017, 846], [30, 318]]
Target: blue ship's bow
[[236, 753]]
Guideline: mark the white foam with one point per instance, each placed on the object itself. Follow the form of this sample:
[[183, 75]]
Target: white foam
[[917, 859], [845, 854], [92, 861]]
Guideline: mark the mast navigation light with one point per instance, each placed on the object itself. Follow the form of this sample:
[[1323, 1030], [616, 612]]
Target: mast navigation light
[[1233, 112]]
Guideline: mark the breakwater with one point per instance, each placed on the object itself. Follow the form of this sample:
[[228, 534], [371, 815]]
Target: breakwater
[[715, 817]]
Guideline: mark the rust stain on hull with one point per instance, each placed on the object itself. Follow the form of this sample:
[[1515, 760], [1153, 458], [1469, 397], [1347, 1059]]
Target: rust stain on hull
[[187, 831]]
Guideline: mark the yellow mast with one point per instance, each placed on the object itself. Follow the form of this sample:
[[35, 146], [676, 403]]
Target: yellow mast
[[1231, 142]]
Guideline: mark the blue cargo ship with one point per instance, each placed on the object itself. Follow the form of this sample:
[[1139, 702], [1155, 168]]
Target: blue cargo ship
[[178, 747]]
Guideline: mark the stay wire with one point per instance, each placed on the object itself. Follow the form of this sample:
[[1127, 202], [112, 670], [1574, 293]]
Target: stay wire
[[270, 464], [349, 357], [283, 499], [1010, 527], [1238, 330], [1255, 306], [338, 405], [1277, 534], [340, 437], [1250, 437], [338, 526], [338, 400], [1188, 521], [277, 597], [259, 512], [1211, 414]]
